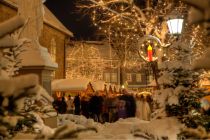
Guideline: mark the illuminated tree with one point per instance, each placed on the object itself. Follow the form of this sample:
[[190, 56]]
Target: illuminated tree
[[84, 61], [124, 23]]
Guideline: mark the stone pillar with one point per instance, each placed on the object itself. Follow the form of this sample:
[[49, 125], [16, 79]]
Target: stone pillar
[[35, 58]]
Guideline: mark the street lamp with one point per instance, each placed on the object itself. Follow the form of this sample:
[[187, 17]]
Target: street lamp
[[175, 26]]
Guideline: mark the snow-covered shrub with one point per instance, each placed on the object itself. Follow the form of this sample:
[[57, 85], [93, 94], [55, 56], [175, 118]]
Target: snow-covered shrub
[[15, 92], [179, 94]]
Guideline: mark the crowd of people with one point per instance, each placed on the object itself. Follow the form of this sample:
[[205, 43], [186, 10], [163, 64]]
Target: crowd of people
[[104, 108]]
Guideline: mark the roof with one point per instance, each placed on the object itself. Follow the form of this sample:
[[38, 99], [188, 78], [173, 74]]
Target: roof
[[49, 18], [70, 84], [98, 85]]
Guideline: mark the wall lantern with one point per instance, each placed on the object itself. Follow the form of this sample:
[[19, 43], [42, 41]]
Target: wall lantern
[[175, 26]]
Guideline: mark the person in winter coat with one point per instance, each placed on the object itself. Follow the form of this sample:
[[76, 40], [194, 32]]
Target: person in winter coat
[[60, 105], [95, 107], [146, 110], [139, 104], [77, 105], [70, 105], [121, 109]]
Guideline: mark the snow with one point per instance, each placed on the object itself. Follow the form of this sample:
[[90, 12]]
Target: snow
[[7, 41], [69, 84], [43, 94], [11, 25], [40, 126], [11, 86], [166, 78], [36, 56], [203, 62], [123, 128]]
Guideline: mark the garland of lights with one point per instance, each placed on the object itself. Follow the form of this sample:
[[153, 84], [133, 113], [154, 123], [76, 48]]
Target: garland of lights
[[123, 22]]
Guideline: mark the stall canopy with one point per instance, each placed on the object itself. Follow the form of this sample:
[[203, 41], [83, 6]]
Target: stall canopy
[[69, 84], [98, 85]]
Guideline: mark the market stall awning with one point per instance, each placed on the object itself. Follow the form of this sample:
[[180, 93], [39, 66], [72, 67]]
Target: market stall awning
[[70, 84]]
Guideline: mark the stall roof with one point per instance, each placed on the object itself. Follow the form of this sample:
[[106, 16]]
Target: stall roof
[[98, 85], [69, 84]]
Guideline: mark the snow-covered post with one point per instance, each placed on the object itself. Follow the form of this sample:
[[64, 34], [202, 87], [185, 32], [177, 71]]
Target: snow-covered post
[[35, 58]]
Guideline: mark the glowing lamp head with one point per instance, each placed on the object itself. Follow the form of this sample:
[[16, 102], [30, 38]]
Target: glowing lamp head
[[175, 26]]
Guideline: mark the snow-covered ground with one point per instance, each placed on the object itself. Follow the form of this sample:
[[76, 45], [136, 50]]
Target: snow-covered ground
[[123, 129], [128, 128]]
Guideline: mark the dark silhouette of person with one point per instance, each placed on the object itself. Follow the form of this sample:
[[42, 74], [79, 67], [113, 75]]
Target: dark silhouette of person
[[63, 107], [130, 105], [95, 107], [77, 105], [85, 107], [60, 105]]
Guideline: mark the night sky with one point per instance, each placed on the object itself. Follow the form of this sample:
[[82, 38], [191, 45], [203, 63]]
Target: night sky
[[76, 22]]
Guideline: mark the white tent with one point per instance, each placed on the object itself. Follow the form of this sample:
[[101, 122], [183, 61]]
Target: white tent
[[69, 84]]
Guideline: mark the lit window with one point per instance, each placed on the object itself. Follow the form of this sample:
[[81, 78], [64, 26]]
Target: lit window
[[150, 78], [53, 49], [114, 77], [129, 77], [53, 53], [100, 77], [107, 77], [138, 77]]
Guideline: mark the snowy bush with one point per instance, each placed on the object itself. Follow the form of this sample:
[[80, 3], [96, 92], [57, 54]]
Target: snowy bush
[[179, 94]]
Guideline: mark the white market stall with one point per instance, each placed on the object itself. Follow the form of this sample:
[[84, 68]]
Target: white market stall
[[71, 87]]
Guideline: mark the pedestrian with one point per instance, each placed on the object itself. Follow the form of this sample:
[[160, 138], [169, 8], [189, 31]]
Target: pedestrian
[[77, 105], [63, 106], [121, 109], [70, 105]]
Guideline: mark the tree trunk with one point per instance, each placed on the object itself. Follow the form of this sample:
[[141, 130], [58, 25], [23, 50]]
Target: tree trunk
[[154, 67], [122, 75]]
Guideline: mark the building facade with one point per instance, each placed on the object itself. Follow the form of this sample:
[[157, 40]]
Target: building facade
[[54, 35], [104, 65]]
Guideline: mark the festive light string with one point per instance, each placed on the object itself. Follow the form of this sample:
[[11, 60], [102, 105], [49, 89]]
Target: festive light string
[[126, 20]]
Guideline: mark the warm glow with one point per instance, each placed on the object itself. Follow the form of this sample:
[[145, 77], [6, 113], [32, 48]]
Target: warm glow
[[175, 26], [149, 53]]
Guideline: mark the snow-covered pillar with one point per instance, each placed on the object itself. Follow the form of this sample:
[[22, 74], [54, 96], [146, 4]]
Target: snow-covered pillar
[[32, 11], [35, 58]]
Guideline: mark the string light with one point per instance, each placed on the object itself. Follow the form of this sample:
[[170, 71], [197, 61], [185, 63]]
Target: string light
[[119, 22]]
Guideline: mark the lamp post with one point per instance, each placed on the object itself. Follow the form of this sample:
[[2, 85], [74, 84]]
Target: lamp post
[[175, 26]]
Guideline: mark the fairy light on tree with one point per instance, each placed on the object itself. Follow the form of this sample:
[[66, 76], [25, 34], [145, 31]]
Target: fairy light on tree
[[123, 23]]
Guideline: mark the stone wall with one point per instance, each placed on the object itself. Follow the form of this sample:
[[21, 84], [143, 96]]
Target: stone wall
[[48, 33]]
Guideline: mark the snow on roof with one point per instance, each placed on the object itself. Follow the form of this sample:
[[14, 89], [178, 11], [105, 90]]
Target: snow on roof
[[153, 83], [98, 85], [49, 18], [36, 57], [69, 84]]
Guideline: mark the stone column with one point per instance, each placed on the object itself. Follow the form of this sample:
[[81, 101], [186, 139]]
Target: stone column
[[35, 58]]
